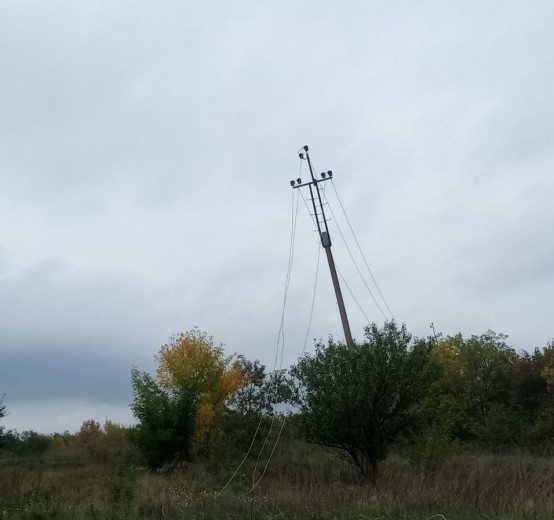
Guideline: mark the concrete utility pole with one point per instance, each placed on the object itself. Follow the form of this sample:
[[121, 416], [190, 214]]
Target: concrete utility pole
[[319, 214]]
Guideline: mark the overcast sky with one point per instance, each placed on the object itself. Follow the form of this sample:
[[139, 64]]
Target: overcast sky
[[146, 150]]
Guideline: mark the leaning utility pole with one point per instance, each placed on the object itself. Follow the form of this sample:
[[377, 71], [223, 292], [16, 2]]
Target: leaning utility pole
[[324, 235]]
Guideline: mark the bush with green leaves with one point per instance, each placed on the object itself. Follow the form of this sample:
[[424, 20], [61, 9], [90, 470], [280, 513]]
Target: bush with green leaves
[[486, 393], [2, 415], [359, 399], [263, 393], [30, 444], [166, 420], [429, 449]]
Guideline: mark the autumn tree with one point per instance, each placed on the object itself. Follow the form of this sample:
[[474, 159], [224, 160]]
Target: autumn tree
[[194, 381], [115, 434], [192, 359], [358, 399], [482, 390], [542, 430], [90, 433], [547, 372]]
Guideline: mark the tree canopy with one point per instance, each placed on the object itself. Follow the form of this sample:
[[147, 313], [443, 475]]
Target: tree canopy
[[194, 381], [359, 399], [2, 415]]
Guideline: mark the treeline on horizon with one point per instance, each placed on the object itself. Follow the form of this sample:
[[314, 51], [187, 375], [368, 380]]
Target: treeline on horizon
[[424, 398]]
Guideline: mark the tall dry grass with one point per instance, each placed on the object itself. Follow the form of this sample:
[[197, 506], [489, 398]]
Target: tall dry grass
[[302, 482]]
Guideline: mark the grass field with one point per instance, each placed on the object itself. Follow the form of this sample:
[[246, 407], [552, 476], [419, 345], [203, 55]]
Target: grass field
[[302, 482]]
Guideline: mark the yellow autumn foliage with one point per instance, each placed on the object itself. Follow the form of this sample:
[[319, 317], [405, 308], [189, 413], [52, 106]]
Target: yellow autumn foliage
[[191, 358], [548, 376]]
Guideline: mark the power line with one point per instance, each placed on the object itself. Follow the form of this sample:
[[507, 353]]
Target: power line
[[281, 335], [355, 263], [315, 219], [353, 297], [255, 484], [361, 251], [319, 218], [294, 215]]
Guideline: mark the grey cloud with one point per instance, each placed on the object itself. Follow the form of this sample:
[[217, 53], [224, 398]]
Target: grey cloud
[[49, 373], [48, 300], [147, 149]]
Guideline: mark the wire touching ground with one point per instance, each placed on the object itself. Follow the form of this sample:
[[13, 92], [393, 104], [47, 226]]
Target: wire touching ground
[[281, 336], [294, 214]]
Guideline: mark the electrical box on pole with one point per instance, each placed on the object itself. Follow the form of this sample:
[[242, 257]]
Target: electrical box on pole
[[323, 230]]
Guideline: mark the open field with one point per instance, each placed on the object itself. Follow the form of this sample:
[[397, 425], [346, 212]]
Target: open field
[[303, 482]]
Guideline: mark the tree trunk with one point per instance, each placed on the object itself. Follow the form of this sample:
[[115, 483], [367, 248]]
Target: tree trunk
[[367, 466]]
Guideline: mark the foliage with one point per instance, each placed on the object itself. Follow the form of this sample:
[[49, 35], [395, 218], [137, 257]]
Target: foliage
[[262, 393], [91, 443], [115, 434], [429, 449], [26, 444], [191, 360], [194, 381], [2, 415], [359, 399], [542, 429], [166, 419], [485, 392], [90, 433]]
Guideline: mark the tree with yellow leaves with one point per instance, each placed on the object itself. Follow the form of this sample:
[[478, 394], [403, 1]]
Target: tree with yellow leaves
[[194, 381], [192, 359]]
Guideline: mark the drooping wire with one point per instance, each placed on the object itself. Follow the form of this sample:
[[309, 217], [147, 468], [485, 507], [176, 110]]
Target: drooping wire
[[260, 454], [243, 459], [255, 484], [280, 335], [361, 251]]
